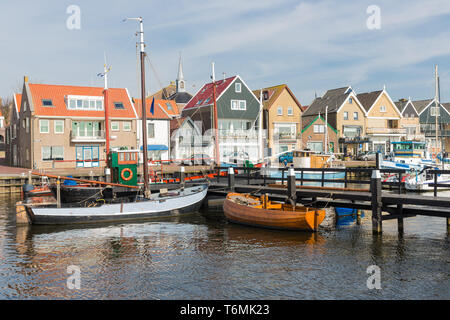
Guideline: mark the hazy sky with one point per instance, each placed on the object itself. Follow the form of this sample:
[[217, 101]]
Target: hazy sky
[[310, 45]]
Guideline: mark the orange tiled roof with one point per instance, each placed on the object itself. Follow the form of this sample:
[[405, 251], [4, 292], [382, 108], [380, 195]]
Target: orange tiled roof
[[18, 100], [158, 112], [57, 94]]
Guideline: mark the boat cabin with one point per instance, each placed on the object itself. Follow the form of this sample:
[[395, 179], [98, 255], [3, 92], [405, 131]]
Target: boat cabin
[[409, 149], [123, 165], [310, 159]]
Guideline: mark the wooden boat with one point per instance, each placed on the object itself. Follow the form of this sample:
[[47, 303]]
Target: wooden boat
[[159, 205], [260, 212]]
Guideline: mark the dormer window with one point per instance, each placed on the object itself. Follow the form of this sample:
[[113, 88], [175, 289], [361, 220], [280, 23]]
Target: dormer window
[[118, 105], [237, 87], [265, 95], [47, 103], [169, 106]]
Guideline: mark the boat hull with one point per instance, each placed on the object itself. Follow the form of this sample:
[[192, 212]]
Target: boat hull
[[309, 220], [189, 201]]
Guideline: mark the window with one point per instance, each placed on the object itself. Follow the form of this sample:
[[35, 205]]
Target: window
[[150, 130], [44, 126], [345, 115], [290, 111], [115, 126], [58, 126], [84, 103], [169, 105], [280, 111], [355, 115], [319, 128], [52, 153], [118, 105], [127, 126], [27, 124], [433, 111], [350, 100], [23, 123], [242, 105], [47, 103], [237, 87], [383, 109]]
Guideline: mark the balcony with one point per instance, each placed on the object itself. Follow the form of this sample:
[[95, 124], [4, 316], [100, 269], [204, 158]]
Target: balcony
[[225, 134], [353, 140], [386, 131], [87, 136], [285, 136]]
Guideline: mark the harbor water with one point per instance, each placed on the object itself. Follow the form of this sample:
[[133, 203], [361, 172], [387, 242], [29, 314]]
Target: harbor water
[[201, 256]]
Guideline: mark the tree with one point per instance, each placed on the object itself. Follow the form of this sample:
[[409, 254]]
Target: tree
[[5, 108]]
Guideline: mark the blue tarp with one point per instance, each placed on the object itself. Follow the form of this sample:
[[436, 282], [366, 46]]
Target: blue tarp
[[156, 147]]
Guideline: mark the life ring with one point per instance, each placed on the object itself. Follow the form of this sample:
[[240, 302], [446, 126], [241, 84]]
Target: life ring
[[434, 155], [130, 174]]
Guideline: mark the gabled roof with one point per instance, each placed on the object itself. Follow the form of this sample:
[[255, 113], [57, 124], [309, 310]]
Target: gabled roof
[[307, 124], [165, 92], [333, 98], [446, 106], [161, 108], [17, 101], [273, 93], [367, 99], [204, 96], [58, 93], [402, 105], [181, 97], [421, 105]]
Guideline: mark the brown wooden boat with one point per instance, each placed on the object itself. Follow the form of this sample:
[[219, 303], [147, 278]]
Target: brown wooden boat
[[260, 212]]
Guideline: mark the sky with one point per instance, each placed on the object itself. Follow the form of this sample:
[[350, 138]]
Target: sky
[[311, 46]]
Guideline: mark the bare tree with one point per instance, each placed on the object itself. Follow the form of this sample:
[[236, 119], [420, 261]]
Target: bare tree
[[5, 108]]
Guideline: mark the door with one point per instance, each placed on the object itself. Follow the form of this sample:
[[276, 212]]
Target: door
[[87, 157]]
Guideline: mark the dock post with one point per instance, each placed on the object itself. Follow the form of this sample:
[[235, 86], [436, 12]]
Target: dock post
[[58, 193], [375, 188], [264, 173], [435, 184], [231, 178], [291, 187], [182, 176], [108, 174]]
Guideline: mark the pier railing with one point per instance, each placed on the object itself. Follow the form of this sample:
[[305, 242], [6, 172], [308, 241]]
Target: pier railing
[[435, 184]]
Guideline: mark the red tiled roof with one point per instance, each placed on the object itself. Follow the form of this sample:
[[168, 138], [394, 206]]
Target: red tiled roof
[[18, 100], [57, 94], [158, 112], [205, 94]]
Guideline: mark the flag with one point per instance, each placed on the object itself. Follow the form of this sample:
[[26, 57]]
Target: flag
[[152, 108]]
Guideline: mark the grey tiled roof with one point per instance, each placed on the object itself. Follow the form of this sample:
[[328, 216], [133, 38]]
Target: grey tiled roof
[[332, 98]]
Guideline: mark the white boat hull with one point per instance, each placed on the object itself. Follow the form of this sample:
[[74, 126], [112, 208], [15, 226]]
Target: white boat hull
[[189, 200]]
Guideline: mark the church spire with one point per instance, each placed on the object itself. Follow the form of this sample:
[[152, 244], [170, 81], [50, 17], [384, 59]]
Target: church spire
[[180, 78]]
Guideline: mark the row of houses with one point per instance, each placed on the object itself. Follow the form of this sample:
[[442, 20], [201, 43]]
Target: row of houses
[[60, 126]]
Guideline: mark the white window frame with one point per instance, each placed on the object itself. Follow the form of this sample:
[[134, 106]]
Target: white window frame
[[242, 103], [345, 115], [355, 113], [238, 87], [279, 111], [113, 123], [40, 126], [86, 102], [128, 123], [234, 104], [383, 109], [290, 111], [433, 111], [54, 126], [319, 128]]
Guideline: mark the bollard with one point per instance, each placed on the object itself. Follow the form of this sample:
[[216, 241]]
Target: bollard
[[182, 176], [358, 217], [375, 188], [231, 178], [291, 187]]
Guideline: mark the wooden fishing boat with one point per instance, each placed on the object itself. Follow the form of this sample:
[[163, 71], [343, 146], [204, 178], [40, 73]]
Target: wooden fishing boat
[[158, 205], [260, 212]]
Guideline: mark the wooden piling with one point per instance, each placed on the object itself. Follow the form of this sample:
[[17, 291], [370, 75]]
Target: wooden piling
[[375, 188], [231, 181], [182, 176], [291, 187], [58, 193]]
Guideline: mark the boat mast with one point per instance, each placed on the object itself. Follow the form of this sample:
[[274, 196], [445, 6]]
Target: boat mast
[[436, 110], [144, 112], [260, 124], [326, 130], [216, 126], [105, 101]]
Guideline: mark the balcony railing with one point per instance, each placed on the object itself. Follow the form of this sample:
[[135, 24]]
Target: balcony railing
[[386, 131], [356, 139], [92, 135], [237, 133]]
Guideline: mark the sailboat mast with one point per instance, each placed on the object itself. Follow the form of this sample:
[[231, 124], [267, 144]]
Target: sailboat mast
[[436, 110], [260, 125], [216, 125], [105, 98], [326, 129]]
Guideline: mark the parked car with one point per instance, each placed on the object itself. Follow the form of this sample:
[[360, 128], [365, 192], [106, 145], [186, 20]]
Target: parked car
[[368, 156], [198, 159], [234, 157]]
